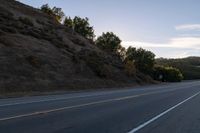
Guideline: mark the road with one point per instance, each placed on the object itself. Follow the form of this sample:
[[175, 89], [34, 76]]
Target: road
[[166, 108]]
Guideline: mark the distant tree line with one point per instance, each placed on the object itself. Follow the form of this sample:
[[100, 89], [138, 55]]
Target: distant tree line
[[134, 59]]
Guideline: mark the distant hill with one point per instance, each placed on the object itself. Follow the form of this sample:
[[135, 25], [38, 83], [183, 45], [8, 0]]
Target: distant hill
[[190, 67]]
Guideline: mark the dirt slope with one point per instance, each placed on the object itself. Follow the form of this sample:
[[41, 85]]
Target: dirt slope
[[39, 54]]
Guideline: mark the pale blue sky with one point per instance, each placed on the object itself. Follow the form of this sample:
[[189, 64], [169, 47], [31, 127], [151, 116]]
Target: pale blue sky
[[169, 28]]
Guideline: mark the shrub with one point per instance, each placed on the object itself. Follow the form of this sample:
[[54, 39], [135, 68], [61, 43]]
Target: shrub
[[34, 34], [34, 61], [40, 22], [105, 71], [6, 42], [96, 62], [169, 74], [78, 42], [5, 14], [58, 43], [9, 29], [173, 74], [130, 68], [26, 21]]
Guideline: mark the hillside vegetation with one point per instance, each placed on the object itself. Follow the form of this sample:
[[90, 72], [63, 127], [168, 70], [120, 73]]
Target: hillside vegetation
[[190, 67], [42, 49], [37, 53]]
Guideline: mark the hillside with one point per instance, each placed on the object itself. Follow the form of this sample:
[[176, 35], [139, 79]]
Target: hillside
[[190, 67], [39, 54]]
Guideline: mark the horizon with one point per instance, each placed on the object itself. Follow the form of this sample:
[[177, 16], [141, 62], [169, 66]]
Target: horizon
[[172, 29]]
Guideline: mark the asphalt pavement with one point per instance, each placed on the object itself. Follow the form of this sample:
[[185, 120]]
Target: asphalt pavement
[[165, 108]]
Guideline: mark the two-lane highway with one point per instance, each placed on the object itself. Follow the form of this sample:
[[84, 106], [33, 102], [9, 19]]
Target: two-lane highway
[[169, 108]]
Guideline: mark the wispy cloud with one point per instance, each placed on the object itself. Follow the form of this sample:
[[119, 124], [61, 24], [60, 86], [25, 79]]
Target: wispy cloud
[[180, 42], [185, 42], [188, 27], [174, 48]]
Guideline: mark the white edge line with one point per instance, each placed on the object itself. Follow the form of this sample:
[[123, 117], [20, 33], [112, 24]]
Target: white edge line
[[160, 115]]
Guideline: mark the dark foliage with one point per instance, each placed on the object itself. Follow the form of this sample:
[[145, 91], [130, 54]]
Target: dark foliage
[[26, 21], [109, 42], [81, 26], [190, 67], [55, 12], [168, 74], [144, 60]]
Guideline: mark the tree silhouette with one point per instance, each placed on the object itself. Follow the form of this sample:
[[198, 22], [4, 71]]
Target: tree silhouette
[[81, 26], [144, 60], [109, 42], [55, 12]]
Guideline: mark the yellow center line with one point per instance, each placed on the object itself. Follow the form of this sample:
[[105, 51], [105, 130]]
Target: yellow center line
[[82, 105]]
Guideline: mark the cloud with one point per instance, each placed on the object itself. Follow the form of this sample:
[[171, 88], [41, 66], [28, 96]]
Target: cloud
[[185, 42], [179, 42], [174, 48], [180, 46], [188, 27]]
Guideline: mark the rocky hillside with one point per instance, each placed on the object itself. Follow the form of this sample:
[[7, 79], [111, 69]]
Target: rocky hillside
[[38, 54]]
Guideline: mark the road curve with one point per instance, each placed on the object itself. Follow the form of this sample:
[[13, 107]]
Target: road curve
[[166, 108]]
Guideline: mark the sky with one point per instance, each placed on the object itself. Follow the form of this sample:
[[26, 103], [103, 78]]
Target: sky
[[169, 28]]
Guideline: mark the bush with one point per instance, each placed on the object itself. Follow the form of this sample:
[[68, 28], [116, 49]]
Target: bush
[[78, 42], [169, 74], [26, 21], [34, 34], [6, 42], [105, 71], [173, 75], [34, 61], [8, 29], [96, 62], [40, 22], [130, 68], [5, 14]]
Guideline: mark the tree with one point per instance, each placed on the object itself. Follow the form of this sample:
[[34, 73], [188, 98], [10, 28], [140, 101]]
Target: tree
[[58, 13], [81, 26], [144, 60], [55, 12], [46, 9], [109, 42], [121, 52], [68, 22]]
